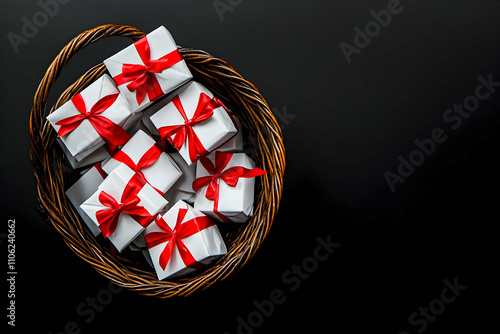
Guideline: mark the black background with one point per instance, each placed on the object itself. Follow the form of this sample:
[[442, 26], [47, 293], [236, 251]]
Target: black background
[[351, 123]]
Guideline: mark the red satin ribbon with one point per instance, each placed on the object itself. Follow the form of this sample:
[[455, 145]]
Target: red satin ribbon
[[174, 237], [98, 167], [110, 132], [178, 134], [148, 159], [230, 176], [141, 77], [128, 204]]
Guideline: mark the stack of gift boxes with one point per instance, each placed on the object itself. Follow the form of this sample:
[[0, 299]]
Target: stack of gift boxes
[[133, 192]]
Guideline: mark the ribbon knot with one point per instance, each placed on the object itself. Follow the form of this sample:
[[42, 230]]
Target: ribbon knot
[[147, 160], [128, 204], [110, 132], [174, 237], [218, 172], [178, 134], [142, 77]]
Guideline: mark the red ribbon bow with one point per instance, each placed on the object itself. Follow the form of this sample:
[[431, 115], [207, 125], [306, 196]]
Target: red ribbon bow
[[129, 204], [230, 176], [110, 132], [174, 237], [177, 134], [148, 159], [141, 77]]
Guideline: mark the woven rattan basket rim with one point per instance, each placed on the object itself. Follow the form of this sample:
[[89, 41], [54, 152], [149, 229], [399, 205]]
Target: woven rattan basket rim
[[51, 171]]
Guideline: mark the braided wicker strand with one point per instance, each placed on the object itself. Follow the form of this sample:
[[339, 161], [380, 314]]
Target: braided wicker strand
[[51, 171]]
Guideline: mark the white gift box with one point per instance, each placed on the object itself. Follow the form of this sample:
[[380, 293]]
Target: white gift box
[[133, 123], [99, 155], [160, 43], [127, 228], [176, 196], [102, 154], [150, 111], [81, 190], [183, 188], [185, 182], [146, 121], [235, 144], [235, 203], [205, 246], [84, 140], [140, 242], [162, 174], [212, 132], [139, 125]]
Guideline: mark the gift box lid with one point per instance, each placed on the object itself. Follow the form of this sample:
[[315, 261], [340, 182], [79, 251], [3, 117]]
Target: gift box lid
[[212, 132], [204, 245], [160, 43], [83, 140], [127, 228], [234, 202], [118, 179], [81, 190], [161, 174]]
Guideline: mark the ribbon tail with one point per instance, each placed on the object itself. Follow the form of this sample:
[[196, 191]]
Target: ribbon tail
[[195, 147], [109, 131], [186, 256], [154, 89], [167, 253]]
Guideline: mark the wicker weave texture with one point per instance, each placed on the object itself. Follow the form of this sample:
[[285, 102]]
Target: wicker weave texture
[[52, 174]]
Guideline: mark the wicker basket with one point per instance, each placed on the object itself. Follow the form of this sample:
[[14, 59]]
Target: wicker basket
[[53, 177]]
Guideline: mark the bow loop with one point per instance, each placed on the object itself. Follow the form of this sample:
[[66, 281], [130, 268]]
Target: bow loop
[[219, 172], [182, 230], [180, 133], [128, 204], [147, 160], [110, 132], [141, 78]]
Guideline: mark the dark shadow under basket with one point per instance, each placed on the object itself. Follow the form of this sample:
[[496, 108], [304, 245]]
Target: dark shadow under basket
[[52, 173]]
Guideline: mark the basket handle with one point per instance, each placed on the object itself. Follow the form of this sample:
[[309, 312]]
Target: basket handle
[[37, 117]]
